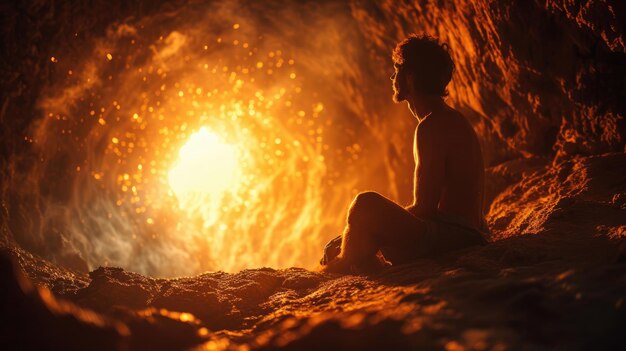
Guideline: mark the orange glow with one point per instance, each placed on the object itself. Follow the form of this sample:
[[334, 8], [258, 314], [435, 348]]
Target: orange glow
[[200, 153], [206, 166]]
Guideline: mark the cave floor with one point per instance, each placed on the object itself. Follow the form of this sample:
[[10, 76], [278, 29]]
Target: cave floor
[[527, 292]]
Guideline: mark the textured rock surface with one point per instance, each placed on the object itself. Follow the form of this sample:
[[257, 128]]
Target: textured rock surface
[[543, 76], [582, 196]]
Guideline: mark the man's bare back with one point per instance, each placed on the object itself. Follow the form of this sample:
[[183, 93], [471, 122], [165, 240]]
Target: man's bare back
[[452, 157]]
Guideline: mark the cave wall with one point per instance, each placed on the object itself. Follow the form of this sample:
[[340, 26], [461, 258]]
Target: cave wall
[[544, 85], [539, 78]]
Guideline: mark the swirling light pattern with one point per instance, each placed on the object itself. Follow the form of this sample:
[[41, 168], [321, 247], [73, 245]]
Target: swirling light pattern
[[190, 141], [218, 154]]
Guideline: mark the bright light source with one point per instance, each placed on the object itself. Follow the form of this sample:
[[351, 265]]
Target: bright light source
[[206, 166]]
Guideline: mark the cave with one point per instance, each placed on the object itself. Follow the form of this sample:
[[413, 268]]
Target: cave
[[117, 236]]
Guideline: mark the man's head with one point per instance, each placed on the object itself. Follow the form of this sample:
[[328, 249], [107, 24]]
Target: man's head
[[422, 67]]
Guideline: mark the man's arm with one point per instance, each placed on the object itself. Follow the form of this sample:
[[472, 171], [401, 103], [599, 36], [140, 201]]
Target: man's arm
[[430, 168]]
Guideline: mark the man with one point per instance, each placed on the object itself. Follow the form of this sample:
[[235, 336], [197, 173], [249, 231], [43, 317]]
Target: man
[[447, 211]]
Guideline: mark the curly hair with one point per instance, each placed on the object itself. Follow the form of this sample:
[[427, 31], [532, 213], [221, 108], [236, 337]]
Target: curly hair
[[428, 61]]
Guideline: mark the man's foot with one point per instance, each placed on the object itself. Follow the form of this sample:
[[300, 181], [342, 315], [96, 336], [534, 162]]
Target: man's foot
[[337, 265], [369, 266]]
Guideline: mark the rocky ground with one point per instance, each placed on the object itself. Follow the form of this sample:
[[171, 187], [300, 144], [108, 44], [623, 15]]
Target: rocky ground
[[554, 277]]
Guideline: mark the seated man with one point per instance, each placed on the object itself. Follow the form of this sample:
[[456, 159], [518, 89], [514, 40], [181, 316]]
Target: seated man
[[447, 212]]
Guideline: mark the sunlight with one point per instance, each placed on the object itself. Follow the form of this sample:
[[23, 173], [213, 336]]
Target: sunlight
[[206, 166]]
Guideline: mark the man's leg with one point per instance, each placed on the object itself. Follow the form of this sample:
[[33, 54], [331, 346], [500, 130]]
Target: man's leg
[[375, 222]]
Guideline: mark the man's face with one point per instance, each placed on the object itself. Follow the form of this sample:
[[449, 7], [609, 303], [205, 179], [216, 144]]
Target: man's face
[[399, 84]]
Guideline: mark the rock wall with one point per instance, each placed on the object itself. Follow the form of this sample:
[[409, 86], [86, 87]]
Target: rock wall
[[538, 78]]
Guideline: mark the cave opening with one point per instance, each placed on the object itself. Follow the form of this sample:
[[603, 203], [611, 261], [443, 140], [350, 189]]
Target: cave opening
[[112, 186]]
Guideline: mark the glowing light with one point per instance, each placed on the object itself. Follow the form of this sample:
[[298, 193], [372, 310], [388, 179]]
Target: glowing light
[[229, 206], [206, 166]]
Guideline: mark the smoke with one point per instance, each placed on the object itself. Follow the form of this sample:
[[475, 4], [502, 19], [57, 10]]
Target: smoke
[[292, 87]]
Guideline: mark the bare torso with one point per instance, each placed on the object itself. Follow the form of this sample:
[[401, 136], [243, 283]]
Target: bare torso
[[462, 176], [449, 181]]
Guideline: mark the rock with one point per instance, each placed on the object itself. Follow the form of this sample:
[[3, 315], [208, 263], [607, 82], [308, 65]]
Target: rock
[[555, 85], [32, 318], [574, 197], [111, 287]]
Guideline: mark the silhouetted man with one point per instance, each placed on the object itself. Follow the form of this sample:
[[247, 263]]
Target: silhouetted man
[[447, 211]]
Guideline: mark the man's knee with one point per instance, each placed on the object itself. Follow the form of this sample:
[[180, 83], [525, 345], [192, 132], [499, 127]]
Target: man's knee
[[367, 199], [364, 206]]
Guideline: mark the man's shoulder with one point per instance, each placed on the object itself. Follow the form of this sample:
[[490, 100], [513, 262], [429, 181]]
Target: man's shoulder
[[430, 131], [441, 121], [434, 123]]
